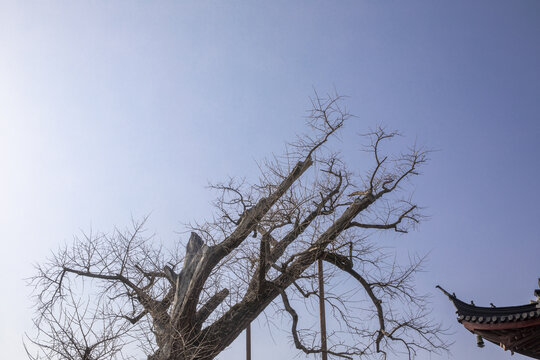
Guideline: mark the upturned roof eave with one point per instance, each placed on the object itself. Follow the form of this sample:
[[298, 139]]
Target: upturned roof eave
[[527, 311]]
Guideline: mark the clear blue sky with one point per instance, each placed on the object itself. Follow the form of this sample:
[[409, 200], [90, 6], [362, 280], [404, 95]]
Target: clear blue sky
[[114, 109]]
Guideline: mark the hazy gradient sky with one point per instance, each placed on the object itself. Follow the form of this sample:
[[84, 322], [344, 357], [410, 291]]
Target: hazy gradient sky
[[113, 109]]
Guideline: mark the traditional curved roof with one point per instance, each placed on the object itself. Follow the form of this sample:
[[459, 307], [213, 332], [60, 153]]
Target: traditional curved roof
[[486, 315], [514, 328]]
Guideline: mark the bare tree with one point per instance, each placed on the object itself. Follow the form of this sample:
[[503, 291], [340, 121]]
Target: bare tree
[[73, 329], [255, 256]]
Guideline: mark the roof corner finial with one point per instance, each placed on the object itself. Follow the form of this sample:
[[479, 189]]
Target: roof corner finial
[[537, 294], [451, 296]]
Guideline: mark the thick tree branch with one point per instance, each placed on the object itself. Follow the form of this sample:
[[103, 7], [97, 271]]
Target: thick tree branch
[[210, 306]]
